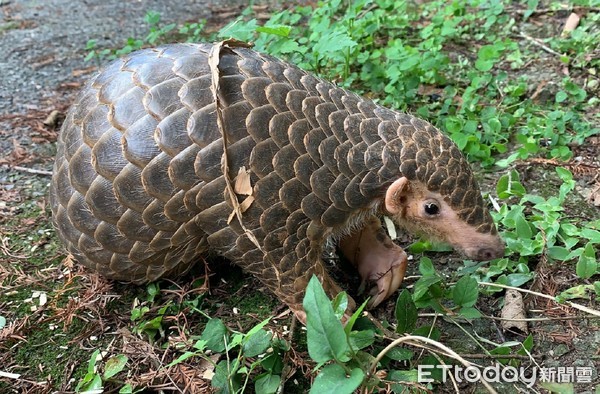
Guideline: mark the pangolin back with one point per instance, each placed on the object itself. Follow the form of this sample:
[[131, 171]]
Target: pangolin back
[[138, 191]]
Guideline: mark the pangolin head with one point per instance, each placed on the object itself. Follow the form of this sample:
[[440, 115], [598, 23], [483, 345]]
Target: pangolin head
[[430, 169]]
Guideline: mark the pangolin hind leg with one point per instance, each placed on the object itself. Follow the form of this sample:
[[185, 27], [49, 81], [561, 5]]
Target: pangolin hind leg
[[379, 261]]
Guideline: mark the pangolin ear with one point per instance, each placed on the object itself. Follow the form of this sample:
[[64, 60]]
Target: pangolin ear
[[393, 201]]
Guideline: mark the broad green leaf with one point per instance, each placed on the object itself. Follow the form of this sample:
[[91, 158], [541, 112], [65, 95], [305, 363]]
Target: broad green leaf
[[592, 235], [333, 380], [114, 365], [573, 293], [561, 96], [406, 313], [278, 30], [426, 267], [523, 228], [361, 339], [587, 264], [404, 376], [272, 364], [127, 389], [325, 334], [558, 253], [267, 384], [95, 384], [465, 292], [257, 343], [527, 345], [428, 332], [470, 313], [423, 285], [223, 381], [517, 280], [400, 354], [215, 334]]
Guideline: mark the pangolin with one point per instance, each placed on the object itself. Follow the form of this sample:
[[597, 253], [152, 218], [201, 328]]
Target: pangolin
[[150, 152]]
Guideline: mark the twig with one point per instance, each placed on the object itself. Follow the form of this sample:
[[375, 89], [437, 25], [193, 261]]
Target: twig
[[415, 340], [537, 42], [28, 170], [569, 303], [213, 63], [530, 319], [9, 375]]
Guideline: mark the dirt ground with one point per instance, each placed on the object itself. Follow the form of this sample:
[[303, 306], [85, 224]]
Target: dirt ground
[[41, 67]]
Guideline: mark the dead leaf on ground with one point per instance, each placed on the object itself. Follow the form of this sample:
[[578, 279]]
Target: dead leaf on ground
[[570, 24], [514, 308]]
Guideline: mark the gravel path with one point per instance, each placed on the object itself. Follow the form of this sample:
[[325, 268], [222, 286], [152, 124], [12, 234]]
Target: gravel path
[[42, 42]]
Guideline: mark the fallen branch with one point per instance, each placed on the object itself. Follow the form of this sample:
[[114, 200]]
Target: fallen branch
[[28, 170], [537, 42], [574, 305]]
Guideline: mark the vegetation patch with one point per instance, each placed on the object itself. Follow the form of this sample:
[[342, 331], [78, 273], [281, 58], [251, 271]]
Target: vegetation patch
[[514, 84]]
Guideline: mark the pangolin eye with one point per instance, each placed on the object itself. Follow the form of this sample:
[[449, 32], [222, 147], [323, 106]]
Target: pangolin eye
[[431, 208]]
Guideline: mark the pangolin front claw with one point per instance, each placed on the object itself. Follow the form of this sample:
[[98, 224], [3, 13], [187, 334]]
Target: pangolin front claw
[[380, 262]]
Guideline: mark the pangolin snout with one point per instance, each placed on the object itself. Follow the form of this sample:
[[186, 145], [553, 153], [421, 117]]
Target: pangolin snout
[[484, 251], [485, 254]]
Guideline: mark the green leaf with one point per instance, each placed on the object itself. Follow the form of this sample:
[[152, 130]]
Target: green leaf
[[561, 388], [2, 322], [561, 96], [355, 315], [95, 384], [470, 313], [517, 280], [114, 365], [587, 264], [267, 384], [361, 339], [400, 354], [182, 358], [333, 380], [340, 304], [226, 379], [278, 30], [127, 389], [522, 227], [465, 292], [426, 267], [258, 343], [272, 364], [558, 253], [215, 333], [527, 345], [592, 235], [423, 284], [411, 375], [406, 313], [325, 334]]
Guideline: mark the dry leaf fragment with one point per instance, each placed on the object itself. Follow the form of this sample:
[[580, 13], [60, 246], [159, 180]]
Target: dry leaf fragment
[[570, 24], [242, 182], [514, 308], [52, 119]]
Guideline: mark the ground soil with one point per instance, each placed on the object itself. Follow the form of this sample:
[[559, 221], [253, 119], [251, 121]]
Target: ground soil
[[42, 47]]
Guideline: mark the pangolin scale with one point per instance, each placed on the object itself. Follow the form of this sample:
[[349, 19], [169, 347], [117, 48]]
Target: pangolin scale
[[138, 191]]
